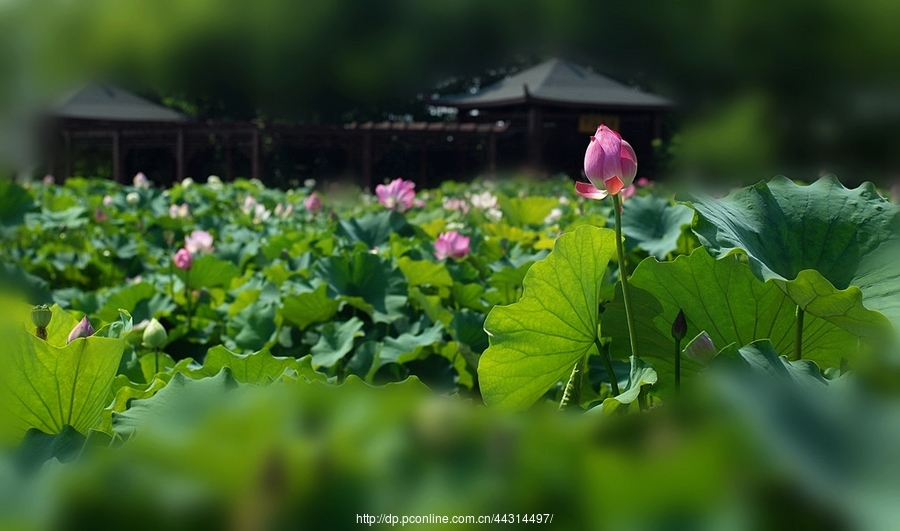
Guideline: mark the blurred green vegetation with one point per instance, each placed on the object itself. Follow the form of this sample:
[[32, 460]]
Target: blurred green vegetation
[[798, 87]]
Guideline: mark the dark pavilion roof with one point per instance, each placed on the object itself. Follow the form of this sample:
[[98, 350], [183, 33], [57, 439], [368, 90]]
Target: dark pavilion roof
[[558, 82], [106, 102]]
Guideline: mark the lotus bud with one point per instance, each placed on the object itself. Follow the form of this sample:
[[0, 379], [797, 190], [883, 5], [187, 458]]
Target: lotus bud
[[40, 316], [679, 326], [82, 329], [701, 349], [132, 198], [155, 335], [183, 259], [609, 164]]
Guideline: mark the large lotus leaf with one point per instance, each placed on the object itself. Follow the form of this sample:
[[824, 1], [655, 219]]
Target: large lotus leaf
[[208, 271], [374, 229], [252, 327], [721, 297], [258, 368], [762, 358], [407, 346], [335, 342], [654, 224], [14, 279], [15, 201], [48, 387], [423, 272], [368, 278], [850, 237], [310, 307], [518, 211], [178, 406], [536, 341], [128, 298]]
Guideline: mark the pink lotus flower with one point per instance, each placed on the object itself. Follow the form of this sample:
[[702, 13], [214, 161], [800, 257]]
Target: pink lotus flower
[[183, 259], [313, 203], [399, 195], [47, 180], [452, 204], [199, 241], [451, 245], [609, 164], [82, 329]]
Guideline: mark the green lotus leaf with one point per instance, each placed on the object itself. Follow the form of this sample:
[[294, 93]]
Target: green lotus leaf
[[128, 298], [374, 229], [369, 279], [258, 368], [209, 271], [15, 202], [423, 272], [849, 237], [311, 307], [654, 224], [407, 347], [536, 341], [723, 298], [176, 407], [761, 357], [48, 387], [519, 211], [335, 342]]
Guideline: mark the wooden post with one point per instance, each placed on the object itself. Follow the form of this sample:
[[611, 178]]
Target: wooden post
[[535, 125], [367, 160], [116, 157], [256, 162], [423, 162], [179, 156], [229, 167], [67, 154], [492, 154]]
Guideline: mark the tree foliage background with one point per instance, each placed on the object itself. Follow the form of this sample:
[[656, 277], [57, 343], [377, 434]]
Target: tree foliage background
[[795, 86]]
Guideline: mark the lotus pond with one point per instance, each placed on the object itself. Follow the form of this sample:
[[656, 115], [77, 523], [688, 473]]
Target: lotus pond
[[226, 355]]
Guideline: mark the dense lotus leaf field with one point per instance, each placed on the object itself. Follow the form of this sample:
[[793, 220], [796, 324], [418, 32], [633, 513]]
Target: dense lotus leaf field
[[226, 355]]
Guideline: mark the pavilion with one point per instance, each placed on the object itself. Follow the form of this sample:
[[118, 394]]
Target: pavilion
[[553, 107]]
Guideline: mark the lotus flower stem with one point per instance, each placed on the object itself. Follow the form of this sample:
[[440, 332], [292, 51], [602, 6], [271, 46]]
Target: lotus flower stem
[[798, 341], [677, 365], [187, 298], [613, 381], [623, 274], [679, 330], [572, 391]]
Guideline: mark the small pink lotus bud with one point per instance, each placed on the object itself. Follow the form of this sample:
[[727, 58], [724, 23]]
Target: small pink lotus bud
[[183, 259], [313, 203], [82, 329]]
